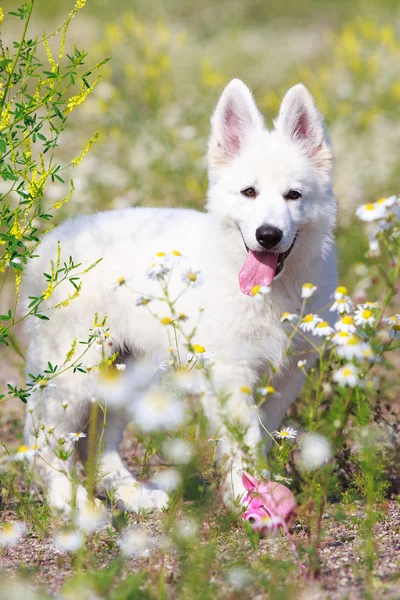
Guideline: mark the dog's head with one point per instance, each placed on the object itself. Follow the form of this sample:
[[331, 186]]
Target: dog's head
[[274, 187]]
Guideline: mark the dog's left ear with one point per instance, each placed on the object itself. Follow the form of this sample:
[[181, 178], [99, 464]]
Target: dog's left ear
[[235, 117], [300, 120]]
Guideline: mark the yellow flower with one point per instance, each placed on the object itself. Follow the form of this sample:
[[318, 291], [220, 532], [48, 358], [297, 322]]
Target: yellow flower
[[199, 349], [246, 389], [166, 321]]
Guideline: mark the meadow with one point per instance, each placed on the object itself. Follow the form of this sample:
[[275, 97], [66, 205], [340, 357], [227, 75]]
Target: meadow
[[107, 105]]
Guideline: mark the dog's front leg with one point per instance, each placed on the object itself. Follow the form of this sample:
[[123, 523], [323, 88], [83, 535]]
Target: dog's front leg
[[115, 477], [234, 423]]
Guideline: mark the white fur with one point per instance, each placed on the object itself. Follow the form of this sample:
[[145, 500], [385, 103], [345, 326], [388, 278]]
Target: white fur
[[242, 335]]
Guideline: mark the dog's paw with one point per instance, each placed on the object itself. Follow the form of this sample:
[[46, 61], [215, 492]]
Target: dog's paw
[[137, 498], [61, 498]]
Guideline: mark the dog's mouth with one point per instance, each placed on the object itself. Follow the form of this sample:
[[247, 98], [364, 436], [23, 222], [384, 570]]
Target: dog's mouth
[[260, 268]]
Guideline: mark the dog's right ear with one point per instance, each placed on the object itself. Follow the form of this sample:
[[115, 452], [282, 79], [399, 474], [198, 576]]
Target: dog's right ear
[[234, 118]]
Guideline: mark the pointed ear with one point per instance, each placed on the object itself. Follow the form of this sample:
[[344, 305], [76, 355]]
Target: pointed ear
[[249, 482], [300, 120], [234, 118]]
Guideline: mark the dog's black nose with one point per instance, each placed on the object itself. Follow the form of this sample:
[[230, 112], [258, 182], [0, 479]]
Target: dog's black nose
[[268, 236]]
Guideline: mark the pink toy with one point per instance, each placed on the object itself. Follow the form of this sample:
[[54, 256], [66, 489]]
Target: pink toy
[[270, 505]]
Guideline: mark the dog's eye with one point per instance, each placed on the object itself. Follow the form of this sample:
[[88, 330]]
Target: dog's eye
[[292, 195], [250, 192]]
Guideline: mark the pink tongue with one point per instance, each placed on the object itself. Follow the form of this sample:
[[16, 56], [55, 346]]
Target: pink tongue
[[259, 269]]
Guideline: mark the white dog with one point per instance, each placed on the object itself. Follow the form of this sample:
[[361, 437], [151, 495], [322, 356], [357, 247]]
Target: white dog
[[270, 220]]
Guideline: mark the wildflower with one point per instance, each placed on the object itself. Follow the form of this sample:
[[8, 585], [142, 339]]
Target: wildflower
[[176, 254], [344, 305], [69, 541], [307, 290], [134, 543], [354, 348], [285, 433], [282, 479], [182, 317], [178, 451], [25, 452], [167, 480], [301, 363], [199, 353], [143, 300], [288, 317], [364, 316], [347, 375], [387, 202], [116, 387], [267, 390], [192, 278], [157, 410], [341, 338], [393, 320], [309, 322], [166, 321], [74, 437], [238, 578], [368, 305], [159, 267], [11, 533], [394, 332], [340, 292], [258, 291], [323, 329], [91, 518], [346, 323], [245, 389], [41, 384], [120, 367], [120, 281], [371, 212], [315, 450]]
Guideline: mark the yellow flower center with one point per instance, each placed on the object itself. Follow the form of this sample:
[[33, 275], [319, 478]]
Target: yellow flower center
[[41, 383], [322, 325], [255, 289], [284, 433], [366, 314], [283, 315], [270, 389], [341, 290], [308, 318], [160, 254], [396, 327], [166, 321], [199, 349], [192, 276], [370, 207], [353, 341], [347, 372], [245, 389], [120, 280], [347, 320], [308, 286], [343, 334], [176, 253], [381, 201], [22, 449]]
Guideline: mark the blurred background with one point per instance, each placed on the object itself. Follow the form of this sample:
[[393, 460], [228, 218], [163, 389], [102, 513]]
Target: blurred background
[[170, 62]]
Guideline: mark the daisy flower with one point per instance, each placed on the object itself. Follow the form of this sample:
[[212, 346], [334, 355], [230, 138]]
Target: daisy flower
[[74, 437], [41, 384], [11, 533], [323, 329], [346, 323], [364, 316], [259, 291], [268, 390], [143, 300], [309, 322], [347, 375], [371, 212], [341, 338], [386, 202], [159, 267], [368, 305], [285, 433], [288, 317], [315, 450], [344, 305], [25, 452], [199, 353], [301, 363], [69, 541], [340, 292], [394, 332], [354, 348], [192, 278], [307, 290], [282, 479]]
